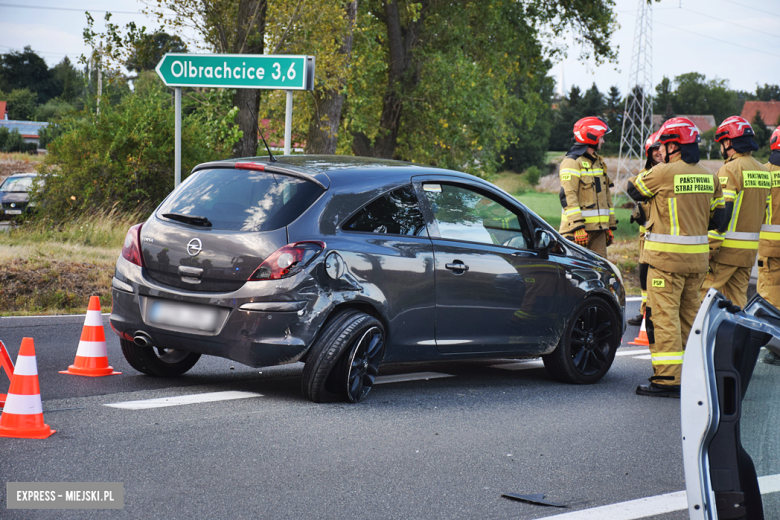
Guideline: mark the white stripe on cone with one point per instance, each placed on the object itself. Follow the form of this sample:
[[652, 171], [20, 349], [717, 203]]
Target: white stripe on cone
[[23, 404], [92, 349], [93, 319], [26, 366]]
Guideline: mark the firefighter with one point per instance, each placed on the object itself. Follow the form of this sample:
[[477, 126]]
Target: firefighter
[[588, 216], [746, 185], [769, 243], [640, 213], [685, 201]]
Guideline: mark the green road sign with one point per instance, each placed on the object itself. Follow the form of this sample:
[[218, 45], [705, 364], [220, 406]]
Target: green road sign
[[260, 71]]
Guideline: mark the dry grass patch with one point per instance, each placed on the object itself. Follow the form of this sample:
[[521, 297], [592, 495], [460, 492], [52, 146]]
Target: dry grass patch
[[54, 269]]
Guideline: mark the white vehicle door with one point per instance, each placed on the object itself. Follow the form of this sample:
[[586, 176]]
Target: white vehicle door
[[730, 406]]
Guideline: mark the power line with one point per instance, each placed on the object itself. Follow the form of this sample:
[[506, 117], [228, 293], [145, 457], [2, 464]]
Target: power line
[[719, 40], [67, 9], [751, 7], [730, 22]]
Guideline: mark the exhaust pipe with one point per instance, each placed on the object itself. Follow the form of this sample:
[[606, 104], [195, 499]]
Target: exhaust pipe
[[142, 339]]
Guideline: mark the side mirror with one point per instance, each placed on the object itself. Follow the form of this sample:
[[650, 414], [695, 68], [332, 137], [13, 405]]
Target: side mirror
[[543, 240]]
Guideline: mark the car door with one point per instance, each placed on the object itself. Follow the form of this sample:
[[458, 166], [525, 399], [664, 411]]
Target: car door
[[730, 408], [494, 291]]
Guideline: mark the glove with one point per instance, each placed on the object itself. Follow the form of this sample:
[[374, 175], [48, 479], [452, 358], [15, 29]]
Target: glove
[[581, 237], [610, 237]]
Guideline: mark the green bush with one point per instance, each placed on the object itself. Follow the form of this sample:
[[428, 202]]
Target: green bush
[[14, 142], [532, 174], [122, 158]]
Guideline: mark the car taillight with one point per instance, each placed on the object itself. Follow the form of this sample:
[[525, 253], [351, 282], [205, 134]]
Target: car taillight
[[287, 260], [131, 249]]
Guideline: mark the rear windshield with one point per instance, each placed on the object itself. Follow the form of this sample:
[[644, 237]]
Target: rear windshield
[[243, 200]]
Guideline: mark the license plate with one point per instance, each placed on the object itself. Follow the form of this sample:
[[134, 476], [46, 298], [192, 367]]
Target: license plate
[[183, 315], [13, 212]]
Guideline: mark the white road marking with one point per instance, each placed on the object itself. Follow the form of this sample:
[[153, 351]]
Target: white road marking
[[415, 376], [633, 298], [631, 510], [162, 402], [526, 365], [632, 352], [648, 356], [52, 316], [650, 506]]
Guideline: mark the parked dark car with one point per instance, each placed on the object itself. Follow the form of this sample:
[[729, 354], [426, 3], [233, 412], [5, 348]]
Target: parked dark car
[[347, 262], [15, 195]]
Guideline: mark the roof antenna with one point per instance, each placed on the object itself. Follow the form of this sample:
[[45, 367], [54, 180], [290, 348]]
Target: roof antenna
[[257, 122]]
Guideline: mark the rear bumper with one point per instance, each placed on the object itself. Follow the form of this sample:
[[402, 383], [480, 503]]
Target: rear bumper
[[257, 325]]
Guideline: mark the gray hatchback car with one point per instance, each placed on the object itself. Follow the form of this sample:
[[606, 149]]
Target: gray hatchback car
[[347, 262]]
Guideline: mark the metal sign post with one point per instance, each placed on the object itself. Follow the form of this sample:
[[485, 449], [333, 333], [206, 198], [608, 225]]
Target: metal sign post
[[255, 71]]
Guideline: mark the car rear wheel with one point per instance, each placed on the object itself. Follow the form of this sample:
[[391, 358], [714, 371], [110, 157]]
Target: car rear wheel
[[344, 360], [587, 348], [158, 361]]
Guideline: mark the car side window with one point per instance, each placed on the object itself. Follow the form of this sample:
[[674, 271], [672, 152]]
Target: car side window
[[395, 213], [465, 214]]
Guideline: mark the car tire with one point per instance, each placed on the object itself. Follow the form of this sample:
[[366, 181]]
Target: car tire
[[588, 345], [158, 361], [344, 360]]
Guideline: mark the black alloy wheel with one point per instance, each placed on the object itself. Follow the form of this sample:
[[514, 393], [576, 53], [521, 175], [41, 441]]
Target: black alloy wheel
[[343, 362], [587, 348], [364, 364]]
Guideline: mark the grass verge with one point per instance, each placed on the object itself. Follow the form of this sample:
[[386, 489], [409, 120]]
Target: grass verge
[[48, 268]]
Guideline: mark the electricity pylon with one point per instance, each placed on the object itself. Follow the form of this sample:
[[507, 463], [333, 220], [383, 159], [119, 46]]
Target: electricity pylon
[[638, 113]]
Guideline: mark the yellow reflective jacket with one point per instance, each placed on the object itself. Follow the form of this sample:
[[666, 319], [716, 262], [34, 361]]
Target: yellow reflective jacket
[[585, 195], [747, 183], [682, 198], [769, 243]]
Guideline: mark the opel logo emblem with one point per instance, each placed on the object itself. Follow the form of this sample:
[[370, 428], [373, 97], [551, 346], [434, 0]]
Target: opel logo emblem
[[194, 247]]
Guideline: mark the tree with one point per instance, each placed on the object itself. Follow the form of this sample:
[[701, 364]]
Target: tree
[[762, 133], [664, 96], [615, 108], [593, 102], [768, 92], [21, 104], [569, 112], [27, 70], [149, 49], [437, 55], [70, 81], [329, 101]]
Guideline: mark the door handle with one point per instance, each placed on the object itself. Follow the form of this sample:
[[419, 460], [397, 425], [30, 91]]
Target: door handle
[[457, 266]]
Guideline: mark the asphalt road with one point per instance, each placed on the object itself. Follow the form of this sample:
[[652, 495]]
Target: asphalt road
[[438, 448]]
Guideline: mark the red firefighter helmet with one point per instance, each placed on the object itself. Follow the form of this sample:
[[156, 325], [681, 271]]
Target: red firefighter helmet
[[732, 128], [680, 130], [588, 130], [652, 142], [774, 139]]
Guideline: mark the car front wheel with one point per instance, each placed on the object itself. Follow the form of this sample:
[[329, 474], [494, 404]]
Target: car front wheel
[[158, 361], [588, 345]]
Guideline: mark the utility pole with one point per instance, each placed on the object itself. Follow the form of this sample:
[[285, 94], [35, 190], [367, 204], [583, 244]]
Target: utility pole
[[638, 113]]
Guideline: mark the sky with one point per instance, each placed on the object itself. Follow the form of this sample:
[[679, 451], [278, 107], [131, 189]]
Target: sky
[[736, 40]]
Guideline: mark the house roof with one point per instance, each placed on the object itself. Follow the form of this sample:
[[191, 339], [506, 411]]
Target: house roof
[[769, 110], [704, 123], [27, 129], [2, 109]]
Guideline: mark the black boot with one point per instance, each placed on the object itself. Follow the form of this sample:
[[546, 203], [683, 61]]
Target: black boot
[[635, 321], [655, 390], [771, 358]]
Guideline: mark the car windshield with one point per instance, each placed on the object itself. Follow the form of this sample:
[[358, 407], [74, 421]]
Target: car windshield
[[17, 184], [241, 200]]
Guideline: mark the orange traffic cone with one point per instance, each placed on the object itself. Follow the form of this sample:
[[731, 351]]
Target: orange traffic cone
[[92, 356], [22, 417], [642, 339], [8, 366]]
